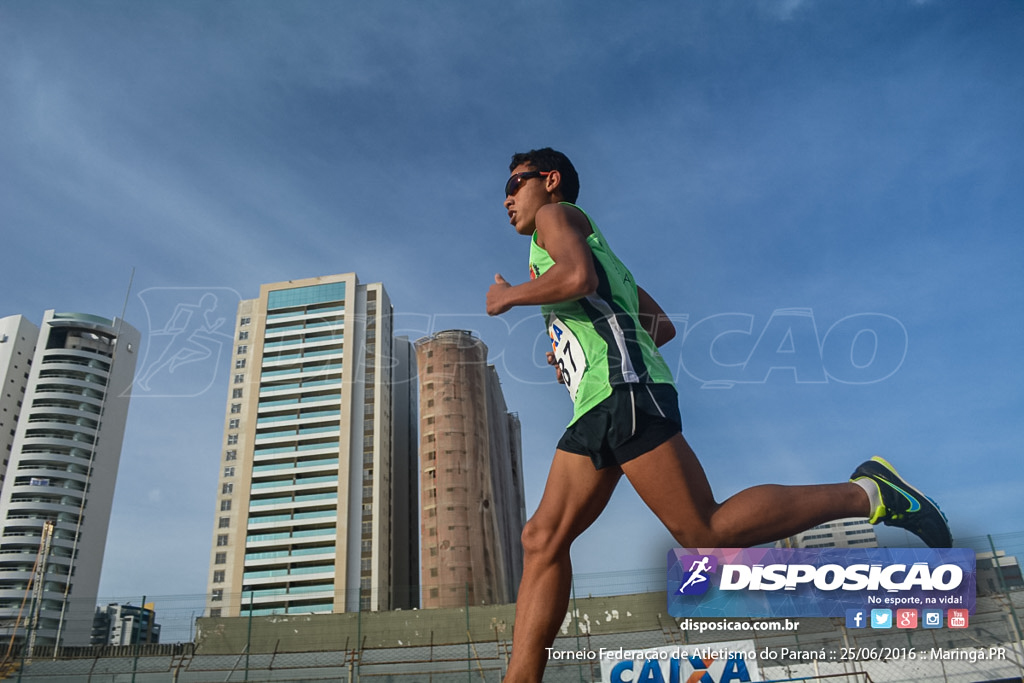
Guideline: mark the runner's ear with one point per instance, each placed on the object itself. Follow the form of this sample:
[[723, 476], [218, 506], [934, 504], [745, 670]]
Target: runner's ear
[[553, 182]]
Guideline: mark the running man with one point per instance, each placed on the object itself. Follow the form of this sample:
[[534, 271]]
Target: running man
[[696, 570], [605, 333]]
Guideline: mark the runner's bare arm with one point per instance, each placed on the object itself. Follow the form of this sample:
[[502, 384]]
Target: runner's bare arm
[[654, 320], [571, 277]]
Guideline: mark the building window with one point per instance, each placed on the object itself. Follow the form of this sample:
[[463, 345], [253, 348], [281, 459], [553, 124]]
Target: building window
[[229, 471], [218, 576], [236, 408], [244, 321], [232, 439], [220, 558], [236, 393], [239, 379], [222, 540], [239, 364], [227, 488], [223, 522], [242, 349], [233, 423], [217, 595], [225, 505], [215, 613], [231, 455]]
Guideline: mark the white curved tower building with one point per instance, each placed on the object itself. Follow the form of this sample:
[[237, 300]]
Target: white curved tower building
[[66, 392]]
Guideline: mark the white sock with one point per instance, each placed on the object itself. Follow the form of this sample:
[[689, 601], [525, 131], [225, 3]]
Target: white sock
[[874, 495]]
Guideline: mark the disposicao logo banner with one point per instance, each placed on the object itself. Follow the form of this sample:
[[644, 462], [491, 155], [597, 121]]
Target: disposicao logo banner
[[816, 582]]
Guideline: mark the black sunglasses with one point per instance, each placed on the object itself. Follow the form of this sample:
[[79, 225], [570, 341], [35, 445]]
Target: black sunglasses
[[517, 179]]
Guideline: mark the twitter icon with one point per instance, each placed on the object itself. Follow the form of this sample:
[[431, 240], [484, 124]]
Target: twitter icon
[[881, 618]]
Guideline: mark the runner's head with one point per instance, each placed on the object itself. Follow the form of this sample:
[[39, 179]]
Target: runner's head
[[547, 159]]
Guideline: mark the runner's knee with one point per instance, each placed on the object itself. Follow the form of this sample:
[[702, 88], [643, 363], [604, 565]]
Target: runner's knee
[[697, 534], [541, 539], [696, 538]]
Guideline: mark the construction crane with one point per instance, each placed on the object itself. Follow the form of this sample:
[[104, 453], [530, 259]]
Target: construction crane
[[33, 590]]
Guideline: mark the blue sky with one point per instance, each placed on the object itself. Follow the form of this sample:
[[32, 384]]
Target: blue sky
[[827, 186]]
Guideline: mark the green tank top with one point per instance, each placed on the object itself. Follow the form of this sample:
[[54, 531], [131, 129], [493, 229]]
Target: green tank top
[[598, 340]]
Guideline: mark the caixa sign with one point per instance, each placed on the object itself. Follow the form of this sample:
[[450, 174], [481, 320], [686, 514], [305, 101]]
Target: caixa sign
[[729, 662], [727, 349], [816, 582]]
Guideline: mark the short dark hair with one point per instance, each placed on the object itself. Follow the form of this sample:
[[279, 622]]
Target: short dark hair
[[547, 159]]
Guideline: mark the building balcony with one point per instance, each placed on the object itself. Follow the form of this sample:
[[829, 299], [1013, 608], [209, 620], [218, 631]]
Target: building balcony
[[276, 557], [301, 435], [323, 311], [307, 416], [286, 599], [68, 441], [69, 391], [50, 367], [56, 477], [311, 451], [75, 412], [285, 578], [298, 502], [278, 360], [301, 467], [297, 519], [288, 343], [40, 506], [328, 484], [305, 402], [294, 539], [293, 390]]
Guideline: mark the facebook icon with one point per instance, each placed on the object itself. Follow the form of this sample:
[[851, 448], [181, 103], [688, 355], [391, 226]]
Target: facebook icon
[[856, 618]]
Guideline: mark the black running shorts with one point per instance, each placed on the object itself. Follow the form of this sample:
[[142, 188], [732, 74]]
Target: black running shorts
[[635, 419]]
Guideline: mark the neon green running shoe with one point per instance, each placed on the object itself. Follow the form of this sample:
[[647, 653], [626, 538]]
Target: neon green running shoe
[[904, 506]]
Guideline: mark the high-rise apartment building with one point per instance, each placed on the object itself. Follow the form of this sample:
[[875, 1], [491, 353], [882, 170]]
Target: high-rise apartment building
[[316, 457], [17, 345], [473, 508], [66, 388], [125, 625]]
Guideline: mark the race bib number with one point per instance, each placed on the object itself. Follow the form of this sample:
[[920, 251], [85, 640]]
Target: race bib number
[[568, 355]]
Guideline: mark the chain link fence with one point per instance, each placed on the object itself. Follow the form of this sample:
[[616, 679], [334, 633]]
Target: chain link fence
[[608, 611]]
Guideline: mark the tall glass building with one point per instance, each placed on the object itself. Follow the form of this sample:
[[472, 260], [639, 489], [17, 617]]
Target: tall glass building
[[317, 466], [66, 388]]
